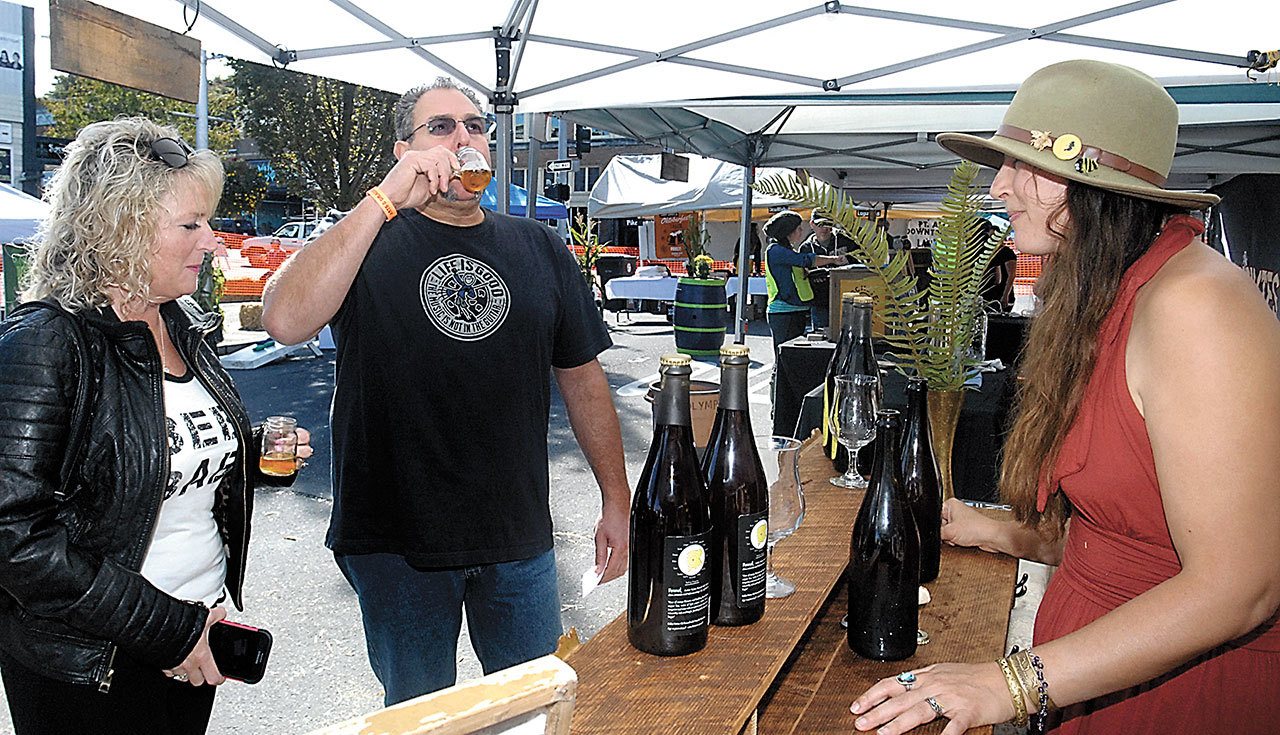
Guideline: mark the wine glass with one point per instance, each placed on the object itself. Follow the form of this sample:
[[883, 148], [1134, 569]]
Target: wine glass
[[780, 457], [853, 414]]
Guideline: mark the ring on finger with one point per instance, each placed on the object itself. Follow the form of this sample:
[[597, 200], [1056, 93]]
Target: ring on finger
[[180, 677], [907, 679], [937, 708]]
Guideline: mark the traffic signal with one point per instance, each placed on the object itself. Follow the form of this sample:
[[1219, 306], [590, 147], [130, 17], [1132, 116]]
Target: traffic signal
[[558, 192], [582, 139]]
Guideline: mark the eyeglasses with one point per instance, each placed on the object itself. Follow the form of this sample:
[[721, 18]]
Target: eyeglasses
[[442, 126], [171, 152]]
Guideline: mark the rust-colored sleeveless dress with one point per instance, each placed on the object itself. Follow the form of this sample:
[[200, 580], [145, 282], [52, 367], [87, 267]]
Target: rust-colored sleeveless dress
[[1118, 547]]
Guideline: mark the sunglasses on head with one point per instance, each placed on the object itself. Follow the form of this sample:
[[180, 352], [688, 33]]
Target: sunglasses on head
[[442, 126], [170, 151]]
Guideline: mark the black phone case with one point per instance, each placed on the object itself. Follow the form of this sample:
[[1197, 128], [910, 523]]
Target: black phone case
[[223, 638]]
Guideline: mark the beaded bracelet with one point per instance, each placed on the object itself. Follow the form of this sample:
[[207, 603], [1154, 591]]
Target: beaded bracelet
[[1027, 664], [1015, 693], [1042, 687], [383, 201]]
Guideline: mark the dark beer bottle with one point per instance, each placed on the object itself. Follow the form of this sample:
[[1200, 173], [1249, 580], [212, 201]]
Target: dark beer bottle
[[920, 478], [854, 355], [739, 496], [884, 558], [669, 589]]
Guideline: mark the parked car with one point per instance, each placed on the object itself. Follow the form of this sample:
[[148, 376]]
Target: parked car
[[329, 220], [290, 236], [233, 225]]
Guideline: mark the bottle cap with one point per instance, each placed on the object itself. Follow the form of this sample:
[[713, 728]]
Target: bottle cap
[[735, 350], [675, 360], [857, 297]]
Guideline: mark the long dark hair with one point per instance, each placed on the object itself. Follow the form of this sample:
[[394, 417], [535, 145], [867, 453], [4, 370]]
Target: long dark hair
[[1105, 233]]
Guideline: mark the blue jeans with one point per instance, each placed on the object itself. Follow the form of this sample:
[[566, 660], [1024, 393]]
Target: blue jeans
[[412, 617]]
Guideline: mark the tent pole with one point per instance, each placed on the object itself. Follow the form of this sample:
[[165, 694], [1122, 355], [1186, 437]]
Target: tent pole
[[504, 104], [532, 179], [744, 255], [202, 103], [562, 177]]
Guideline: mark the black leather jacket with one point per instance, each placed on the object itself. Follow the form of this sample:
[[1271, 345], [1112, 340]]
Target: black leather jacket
[[70, 591]]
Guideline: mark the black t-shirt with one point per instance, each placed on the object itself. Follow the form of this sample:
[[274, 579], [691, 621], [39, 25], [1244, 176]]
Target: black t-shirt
[[445, 343]]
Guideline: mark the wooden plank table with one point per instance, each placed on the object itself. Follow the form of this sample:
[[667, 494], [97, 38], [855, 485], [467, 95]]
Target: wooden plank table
[[795, 659]]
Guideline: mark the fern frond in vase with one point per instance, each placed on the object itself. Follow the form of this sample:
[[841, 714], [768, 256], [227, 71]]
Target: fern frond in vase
[[928, 333]]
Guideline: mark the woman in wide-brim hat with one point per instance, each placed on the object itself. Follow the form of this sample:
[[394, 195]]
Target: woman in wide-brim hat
[[1143, 459]]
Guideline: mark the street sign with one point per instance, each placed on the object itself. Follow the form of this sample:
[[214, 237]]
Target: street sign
[[560, 164]]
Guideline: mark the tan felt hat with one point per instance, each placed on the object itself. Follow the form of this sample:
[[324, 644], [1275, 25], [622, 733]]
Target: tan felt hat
[[1097, 123]]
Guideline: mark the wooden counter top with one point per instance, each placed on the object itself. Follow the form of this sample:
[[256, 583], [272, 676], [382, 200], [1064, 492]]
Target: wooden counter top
[[795, 658]]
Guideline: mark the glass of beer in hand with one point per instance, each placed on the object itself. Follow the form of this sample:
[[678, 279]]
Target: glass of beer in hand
[[475, 172], [279, 446]]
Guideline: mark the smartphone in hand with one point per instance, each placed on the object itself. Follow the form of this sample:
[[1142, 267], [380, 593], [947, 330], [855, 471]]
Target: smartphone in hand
[[240, 651]]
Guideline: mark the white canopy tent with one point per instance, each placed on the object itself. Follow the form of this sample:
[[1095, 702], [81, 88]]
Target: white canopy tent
[[554, 55], [880, 146], [632, 186], [20, 213]]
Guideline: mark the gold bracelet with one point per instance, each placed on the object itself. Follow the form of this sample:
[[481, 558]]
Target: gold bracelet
[[1026, 675], [388, 208], [1022, 671], [1020, 717]]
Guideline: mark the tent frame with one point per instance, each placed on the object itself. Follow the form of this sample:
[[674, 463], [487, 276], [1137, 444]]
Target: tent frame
[[504, 96], [514, 34]]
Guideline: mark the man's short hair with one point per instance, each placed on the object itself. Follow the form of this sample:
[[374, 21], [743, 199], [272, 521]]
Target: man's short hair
[[403, 110]]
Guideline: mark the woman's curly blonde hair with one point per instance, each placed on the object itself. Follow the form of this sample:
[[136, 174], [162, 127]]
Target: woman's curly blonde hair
[[106, 204]]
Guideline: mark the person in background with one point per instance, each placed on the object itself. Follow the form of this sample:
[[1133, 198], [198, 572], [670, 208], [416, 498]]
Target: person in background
[[127, 462], [1142, 461], [755, 250], [451, 323], [997, 281], [790, 293], [824, 240]]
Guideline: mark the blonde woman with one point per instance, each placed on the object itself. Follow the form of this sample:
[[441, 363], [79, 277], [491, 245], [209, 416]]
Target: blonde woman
[[127, 462]]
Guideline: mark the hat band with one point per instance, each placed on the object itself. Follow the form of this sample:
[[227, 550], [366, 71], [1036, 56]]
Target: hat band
[[1105, 158]]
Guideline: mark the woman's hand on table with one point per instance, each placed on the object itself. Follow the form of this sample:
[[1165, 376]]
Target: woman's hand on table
[[969, 695], [965, 526]]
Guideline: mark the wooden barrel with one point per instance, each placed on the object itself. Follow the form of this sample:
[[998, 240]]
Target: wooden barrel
[[699, 316]]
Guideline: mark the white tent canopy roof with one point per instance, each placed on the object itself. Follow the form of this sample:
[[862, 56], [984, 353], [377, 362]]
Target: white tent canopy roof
[[881, 146], [631, 186], [20, 214], [567, 54]]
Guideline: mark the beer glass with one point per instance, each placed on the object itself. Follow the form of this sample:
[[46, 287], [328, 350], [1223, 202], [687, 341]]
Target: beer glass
[[279, 446], [474, 171]]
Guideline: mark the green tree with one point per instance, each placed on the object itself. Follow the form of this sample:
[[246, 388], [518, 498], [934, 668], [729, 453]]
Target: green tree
[[327, 140], [78, 101], [243, 188]]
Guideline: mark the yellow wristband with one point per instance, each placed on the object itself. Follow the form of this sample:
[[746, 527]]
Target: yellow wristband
[[388, 208]]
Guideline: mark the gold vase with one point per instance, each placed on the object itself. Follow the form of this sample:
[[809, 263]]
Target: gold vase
[[944, 414]]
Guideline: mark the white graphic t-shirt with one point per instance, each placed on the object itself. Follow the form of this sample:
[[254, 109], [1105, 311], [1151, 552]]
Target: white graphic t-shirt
[[187, 558]]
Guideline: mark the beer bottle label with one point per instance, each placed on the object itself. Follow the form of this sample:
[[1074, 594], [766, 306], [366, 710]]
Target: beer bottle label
[[753, 556], [688, 582]]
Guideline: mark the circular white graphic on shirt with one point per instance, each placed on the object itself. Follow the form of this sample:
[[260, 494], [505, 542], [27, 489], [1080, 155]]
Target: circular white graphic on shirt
[[464, 298]]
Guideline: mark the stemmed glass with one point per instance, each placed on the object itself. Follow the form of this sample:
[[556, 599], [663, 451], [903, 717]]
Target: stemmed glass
[[853, 414], [780, 457]]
